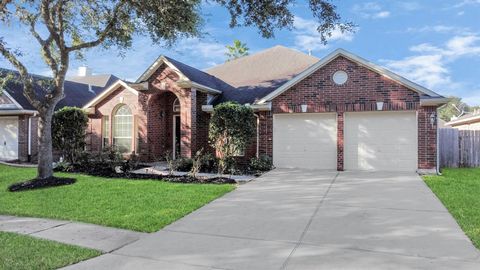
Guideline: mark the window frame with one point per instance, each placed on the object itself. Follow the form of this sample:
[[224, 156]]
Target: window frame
[[128, 121]]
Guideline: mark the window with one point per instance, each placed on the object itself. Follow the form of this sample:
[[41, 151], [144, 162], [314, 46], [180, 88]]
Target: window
[[123, 129], [176, 105], [105, 131]]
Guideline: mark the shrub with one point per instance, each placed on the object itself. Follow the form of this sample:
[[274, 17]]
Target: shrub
[[231, 127], [68, 132], [183, 164], [209, 163], [261, 164]]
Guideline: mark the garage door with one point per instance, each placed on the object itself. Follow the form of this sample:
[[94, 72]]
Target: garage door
[[380, 141], [8, 138], [306, 140]]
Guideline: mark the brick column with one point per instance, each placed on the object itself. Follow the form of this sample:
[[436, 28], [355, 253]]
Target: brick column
[[427, 138], [340, 125]]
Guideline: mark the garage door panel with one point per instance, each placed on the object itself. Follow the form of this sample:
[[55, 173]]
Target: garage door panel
[[305, 141], [381, 141], [8, 138]]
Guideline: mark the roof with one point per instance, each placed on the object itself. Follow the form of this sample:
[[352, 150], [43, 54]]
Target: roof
[[424, 92], [465, 119], [76, 94], [100, 80], [257, 75], [187, 74]]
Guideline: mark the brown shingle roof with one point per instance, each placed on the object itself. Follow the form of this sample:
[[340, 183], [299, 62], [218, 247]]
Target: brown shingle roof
[[258, 74]]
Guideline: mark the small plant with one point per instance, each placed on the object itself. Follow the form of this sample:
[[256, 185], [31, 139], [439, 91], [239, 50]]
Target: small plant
[[261, 164], [170, 162], [197, 162], [130, 164]]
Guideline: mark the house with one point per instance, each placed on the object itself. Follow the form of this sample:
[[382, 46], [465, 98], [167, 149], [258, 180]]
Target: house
[[470, 121], [18, 118], [340, 112]]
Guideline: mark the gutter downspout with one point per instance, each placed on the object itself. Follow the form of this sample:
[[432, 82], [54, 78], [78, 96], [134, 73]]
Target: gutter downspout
[[258, 135], [438, 146], [29, 134]]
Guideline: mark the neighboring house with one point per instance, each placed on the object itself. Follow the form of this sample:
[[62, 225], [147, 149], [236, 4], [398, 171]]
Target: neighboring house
[[339, 112], [469, 121], [18, 118]]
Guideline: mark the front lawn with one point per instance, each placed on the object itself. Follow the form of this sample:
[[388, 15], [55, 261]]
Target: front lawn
[[459, 191], [25, 252], [140, 205]]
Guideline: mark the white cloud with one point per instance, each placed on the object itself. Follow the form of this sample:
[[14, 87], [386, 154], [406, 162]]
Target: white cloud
[[431, 65], [308, 38], [371, 10], [440, 28], [466, 3]]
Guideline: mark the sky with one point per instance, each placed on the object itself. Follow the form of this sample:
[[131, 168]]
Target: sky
[[435, 43]]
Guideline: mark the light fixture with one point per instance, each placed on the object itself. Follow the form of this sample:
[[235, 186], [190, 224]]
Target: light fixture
[[433, 118], [304, 107], [380, 106]]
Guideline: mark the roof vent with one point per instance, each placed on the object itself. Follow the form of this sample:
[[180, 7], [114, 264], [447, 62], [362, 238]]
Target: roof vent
[[84, 71]]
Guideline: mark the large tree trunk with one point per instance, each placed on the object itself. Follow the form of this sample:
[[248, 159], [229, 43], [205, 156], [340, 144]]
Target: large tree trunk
[[45, 155]]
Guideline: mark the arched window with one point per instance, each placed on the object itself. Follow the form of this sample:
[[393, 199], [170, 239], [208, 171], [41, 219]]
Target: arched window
[[123, 129], [176, 105]]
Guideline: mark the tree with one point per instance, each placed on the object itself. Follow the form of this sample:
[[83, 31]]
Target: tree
[[68, 132], [455, 108], [66, 28], [237, 50], [232, 126]]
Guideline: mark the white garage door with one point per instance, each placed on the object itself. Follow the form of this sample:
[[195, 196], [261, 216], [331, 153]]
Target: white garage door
[[8, 138], [307, 140], [380, 141]]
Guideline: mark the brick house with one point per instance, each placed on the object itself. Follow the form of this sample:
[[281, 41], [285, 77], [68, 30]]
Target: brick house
[[339, 112], [18, 118]]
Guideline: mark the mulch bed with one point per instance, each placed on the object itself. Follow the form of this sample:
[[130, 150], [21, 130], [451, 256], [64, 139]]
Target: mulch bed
[[183, 178], [41, 183]]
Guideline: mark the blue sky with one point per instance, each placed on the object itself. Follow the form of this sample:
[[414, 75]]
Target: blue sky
[[434, 43]]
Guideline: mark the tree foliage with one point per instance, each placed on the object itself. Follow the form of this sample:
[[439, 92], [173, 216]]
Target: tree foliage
[[232, 126], [68, 134], [66, 28], [455, 108], [237, 50]]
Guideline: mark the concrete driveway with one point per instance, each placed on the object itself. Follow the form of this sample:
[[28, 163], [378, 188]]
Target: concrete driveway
[[291, 219]]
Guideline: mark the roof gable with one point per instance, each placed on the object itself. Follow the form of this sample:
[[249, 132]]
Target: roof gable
[[352, 57], [189, 76]]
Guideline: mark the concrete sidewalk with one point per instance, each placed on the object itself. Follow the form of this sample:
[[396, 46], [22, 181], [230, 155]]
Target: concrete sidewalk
[[291, 219], [101, 238]]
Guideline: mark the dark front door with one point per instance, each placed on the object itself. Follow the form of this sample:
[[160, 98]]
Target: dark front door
[[177, 136]]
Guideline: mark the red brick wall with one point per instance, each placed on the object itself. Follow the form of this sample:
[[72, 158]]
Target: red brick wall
[[153, 109], [360, 93], [427, 138], [23, 133]]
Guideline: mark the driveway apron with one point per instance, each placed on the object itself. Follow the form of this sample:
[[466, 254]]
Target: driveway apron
[[293, 219]]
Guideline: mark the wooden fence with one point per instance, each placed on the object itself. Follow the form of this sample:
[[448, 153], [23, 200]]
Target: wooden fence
[[459, 148]]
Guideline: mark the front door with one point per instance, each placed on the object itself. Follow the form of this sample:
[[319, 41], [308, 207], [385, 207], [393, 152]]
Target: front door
[[176, 136]]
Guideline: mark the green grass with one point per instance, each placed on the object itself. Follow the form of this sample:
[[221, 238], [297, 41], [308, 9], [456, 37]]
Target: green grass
[[140, 205], [25, 252], [459, 191]]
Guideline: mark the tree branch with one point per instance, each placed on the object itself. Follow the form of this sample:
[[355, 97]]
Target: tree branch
[[45, 43], [28, 82], [103, 34]]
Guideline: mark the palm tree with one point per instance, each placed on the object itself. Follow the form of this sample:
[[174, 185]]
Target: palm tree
[[238, 50]]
